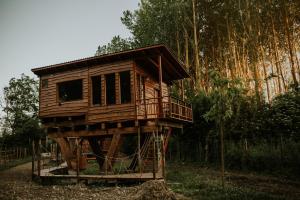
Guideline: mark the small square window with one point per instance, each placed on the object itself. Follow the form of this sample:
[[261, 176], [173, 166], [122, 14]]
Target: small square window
[[45, 83]]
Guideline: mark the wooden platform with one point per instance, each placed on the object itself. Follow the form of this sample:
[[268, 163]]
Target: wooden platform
[[115, 177], [48, 173]]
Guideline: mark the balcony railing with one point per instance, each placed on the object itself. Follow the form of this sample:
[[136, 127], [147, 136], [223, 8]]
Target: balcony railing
[[168, 107]]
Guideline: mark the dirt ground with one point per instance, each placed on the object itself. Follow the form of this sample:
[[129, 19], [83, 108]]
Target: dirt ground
[[15, 183]]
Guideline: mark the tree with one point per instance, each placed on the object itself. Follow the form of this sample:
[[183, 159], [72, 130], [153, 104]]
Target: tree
[[20, 107], [116, 44], [224, 95]]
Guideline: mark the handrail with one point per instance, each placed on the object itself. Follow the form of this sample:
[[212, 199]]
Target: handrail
[[171, 108]]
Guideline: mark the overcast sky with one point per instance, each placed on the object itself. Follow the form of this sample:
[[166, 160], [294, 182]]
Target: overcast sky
[[35, 33]]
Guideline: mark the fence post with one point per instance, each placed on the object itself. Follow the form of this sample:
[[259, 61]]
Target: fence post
[[33, 158], [39, 157], [57, 154], [163, 156]]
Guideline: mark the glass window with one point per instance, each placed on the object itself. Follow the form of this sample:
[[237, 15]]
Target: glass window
[[96, 90], [70, 90], [125, 87], [110, 89]]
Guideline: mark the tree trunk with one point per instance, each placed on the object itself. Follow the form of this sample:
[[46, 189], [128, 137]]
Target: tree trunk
[[222, 152], [196, 48]]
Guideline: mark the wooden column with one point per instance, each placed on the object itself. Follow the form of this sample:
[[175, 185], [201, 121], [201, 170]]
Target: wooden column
[[139, 149], [103, 90], [160, 86], [113, 150], [154, 156], [163, 156], [134, 89], [77, 159], [117, 88]]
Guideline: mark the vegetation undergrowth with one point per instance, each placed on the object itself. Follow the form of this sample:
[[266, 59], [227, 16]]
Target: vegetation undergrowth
[[198, 182], [15, 163]]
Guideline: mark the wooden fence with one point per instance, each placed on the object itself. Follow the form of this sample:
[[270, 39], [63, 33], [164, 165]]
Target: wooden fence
[[11, 154]]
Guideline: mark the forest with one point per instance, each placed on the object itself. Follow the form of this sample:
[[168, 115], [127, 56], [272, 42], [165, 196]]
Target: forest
[[244, 62], [243, 57]]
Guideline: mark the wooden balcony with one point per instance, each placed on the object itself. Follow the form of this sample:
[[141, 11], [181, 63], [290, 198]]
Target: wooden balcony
[[164, 108]]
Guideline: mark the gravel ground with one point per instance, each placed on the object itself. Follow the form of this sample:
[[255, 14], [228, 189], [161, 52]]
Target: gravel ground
[[16, 184]]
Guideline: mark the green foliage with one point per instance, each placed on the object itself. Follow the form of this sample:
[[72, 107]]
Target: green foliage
[[20, 106], [225, 95], [115, 45]]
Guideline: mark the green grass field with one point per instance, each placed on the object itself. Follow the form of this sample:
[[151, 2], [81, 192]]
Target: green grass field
[[198, 182]]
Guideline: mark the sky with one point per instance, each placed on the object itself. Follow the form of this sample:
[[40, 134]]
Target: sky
[[36, 33]]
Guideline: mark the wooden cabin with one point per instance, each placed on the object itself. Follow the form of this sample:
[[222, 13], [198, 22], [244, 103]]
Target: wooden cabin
[[104, 99]]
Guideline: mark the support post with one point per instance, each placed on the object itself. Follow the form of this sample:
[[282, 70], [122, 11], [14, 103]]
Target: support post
[[106, 165], [160, 87], [77, 159], [139, 149], [154, 156], [163, 156], [57, 154]]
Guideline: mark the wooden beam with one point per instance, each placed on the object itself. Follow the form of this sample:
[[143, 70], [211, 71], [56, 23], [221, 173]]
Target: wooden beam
[[160, 86], [86, 133], [112, 151], [64, 148], [153, 62]]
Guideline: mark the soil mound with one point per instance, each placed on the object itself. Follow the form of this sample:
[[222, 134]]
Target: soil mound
[[156, 189]]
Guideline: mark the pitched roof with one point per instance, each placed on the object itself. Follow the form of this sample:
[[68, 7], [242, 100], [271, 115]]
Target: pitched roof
[[171, 66]]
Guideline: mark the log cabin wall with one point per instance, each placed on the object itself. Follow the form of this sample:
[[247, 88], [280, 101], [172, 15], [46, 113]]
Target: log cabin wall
[[49, 102], [147, 104], [50, 105], [118, 111]]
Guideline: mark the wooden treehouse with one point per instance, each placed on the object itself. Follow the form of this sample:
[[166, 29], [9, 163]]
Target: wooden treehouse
[[114, 101]]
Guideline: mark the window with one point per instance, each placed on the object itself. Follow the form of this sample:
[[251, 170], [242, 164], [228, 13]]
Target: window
[[70, 90], [44, 83], [125, 87], [96, 90], [110, 89]]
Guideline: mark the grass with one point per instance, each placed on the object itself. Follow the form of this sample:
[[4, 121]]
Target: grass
[[93, 167], [198, 182], [15, 163]]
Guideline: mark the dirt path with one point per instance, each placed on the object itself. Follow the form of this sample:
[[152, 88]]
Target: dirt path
[[15, 183]]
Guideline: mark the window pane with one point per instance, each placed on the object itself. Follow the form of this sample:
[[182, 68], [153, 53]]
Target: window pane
[[70, 90], [44, 83], [96, 87], [125, 87], [110, 89]]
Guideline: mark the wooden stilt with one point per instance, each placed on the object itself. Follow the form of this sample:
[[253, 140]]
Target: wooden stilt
[[163, 156], [139, 149], [77, 159], [113, 149], [154, 156]]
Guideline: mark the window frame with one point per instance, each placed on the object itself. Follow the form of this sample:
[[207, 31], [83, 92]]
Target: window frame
[[75, 100]]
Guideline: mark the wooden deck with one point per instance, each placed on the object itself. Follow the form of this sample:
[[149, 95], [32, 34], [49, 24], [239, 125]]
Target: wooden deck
[[46, 173]]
